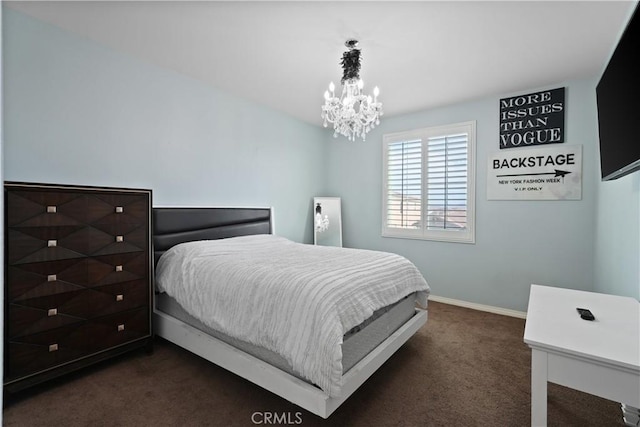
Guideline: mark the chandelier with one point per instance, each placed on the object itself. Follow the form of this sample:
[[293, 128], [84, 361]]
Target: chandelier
[[353, 114], [322, 223]]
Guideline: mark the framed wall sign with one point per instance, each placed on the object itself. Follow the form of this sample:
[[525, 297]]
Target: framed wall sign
[[544, 173], [532, 119]]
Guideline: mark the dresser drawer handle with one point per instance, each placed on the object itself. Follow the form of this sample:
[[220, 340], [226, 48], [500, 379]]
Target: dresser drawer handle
[[52, 278], [52, 243], [118, 268], [119, 239], [119, 297], [121, 327], [52, 209], [119, 209], [53, 347], [52, 312]]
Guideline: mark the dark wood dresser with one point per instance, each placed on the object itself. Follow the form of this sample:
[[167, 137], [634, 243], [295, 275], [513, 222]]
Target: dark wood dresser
[[78, 278]]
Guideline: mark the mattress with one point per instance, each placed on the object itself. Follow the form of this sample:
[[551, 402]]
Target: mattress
[[357, 342]]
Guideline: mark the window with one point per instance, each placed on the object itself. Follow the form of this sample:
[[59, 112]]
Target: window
[[429, 183]]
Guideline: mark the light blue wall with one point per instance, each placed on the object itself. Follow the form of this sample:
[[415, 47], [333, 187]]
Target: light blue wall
[[76, 112], [79, 113], [617, 241], [517, 242]]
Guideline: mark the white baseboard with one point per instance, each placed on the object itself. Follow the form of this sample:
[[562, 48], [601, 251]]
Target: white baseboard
[[481, 307]]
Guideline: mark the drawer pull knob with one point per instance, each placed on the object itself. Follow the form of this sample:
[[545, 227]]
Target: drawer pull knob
[[52, 312], [52, 209], [119, 209], [119, 297], [118, 268], [121, 327], [52, 243], [52, 278], [53, 347], [119, 239]]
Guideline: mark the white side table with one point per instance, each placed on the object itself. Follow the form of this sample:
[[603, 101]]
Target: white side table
[[600, 357]]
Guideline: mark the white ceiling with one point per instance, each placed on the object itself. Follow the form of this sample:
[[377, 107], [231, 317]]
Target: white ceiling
[[422, 54]]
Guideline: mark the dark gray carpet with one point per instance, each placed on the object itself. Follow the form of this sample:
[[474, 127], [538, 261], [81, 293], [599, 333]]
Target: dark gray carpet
[[463, 368]]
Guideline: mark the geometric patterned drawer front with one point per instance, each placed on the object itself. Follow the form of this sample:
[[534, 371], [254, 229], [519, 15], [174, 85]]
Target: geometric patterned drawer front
[[32, 206], [77, 275], [45, 350], [101, 207], [32, 245], [120, 328], [118, 297], [37, 280], [114, 268], [45, 313]]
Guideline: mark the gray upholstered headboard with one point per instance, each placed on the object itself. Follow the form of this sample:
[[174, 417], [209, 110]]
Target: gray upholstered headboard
[[174, 225]]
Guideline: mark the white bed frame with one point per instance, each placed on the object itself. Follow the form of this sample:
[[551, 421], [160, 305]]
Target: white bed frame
[[275, 380]]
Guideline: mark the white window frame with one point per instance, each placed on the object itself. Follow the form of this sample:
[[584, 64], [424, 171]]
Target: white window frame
[[444, 235]]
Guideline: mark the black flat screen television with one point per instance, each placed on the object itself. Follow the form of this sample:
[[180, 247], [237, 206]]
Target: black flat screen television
[[618, 100]]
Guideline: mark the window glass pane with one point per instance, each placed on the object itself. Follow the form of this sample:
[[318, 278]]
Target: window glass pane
[[404, 184], [447, 182]]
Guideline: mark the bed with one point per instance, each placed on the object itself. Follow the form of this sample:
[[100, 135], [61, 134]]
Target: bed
[[362, 348]]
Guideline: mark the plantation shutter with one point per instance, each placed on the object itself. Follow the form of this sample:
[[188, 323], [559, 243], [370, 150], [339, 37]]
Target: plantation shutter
[[447, 186], [428, 189], [404, 184]]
